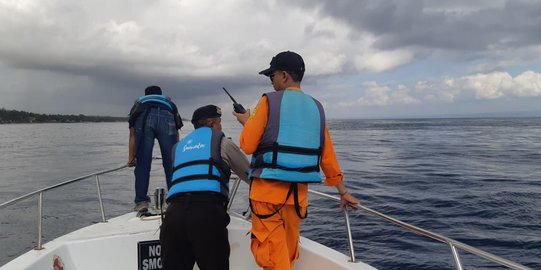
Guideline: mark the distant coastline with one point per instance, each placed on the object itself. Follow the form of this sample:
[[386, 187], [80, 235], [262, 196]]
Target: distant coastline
[[14, 116]]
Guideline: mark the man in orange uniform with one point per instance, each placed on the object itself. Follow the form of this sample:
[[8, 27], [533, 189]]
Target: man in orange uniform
[[289, 142]]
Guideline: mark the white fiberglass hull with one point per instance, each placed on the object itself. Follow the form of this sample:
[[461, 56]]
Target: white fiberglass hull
[[126, 242]]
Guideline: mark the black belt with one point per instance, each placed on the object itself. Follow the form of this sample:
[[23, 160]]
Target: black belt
[[208, 197]]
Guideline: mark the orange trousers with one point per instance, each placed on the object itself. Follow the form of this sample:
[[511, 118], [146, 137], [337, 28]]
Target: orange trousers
[[275, 240]]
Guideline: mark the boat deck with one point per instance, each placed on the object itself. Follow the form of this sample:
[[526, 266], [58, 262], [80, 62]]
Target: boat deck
[[131, 242]]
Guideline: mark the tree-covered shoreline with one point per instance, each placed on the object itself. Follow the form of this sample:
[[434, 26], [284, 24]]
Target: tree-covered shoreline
[[14, 116]]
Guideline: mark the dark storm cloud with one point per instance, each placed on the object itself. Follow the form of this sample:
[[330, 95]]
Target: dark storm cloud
[[123, 88], [448, 25], [115, 82], [96, 57]]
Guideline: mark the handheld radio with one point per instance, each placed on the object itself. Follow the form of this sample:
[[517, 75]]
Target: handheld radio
[[236, 106]]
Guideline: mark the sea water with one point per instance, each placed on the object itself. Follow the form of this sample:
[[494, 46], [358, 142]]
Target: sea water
[[475, 180]]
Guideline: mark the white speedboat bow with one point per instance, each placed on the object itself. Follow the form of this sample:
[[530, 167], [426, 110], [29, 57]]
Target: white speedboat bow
[[131, 241]]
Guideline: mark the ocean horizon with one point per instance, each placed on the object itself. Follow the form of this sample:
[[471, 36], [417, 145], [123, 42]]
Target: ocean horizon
[[476, 180]]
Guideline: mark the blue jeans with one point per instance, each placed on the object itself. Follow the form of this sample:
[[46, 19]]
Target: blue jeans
[[159, 124]]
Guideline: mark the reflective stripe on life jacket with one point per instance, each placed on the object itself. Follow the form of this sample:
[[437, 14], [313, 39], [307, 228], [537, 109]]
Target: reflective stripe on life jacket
[[161, 99], [290, 149], [198, 164]]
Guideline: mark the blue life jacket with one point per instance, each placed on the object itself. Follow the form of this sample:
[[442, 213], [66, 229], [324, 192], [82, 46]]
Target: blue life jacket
[[160, 99], [291, 146], [153, 101], [198, 164]]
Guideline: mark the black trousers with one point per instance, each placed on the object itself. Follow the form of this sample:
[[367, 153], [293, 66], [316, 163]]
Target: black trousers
[[194, 230]]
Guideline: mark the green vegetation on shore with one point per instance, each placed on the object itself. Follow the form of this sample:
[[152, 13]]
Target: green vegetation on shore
[[14, 116]]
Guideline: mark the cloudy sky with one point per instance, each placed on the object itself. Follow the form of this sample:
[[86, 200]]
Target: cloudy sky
[[364, 58]]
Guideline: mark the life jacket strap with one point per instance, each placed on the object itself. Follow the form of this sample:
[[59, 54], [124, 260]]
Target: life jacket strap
[[193, 162], [212, 164], [196, 177], [293, 188], [275, 148], [261, 164]]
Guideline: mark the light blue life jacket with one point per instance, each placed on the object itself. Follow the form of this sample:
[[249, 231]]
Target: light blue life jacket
[[161, 99], [198, 164], [144, 103], [291, 146]]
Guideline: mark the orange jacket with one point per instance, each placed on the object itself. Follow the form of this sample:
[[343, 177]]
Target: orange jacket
[[272, 191]]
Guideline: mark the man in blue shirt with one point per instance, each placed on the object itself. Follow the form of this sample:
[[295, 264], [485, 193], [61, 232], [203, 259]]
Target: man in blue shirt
[[153, 116]]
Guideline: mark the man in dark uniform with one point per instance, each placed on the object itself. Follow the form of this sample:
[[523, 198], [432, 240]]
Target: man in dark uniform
[[195, 224]]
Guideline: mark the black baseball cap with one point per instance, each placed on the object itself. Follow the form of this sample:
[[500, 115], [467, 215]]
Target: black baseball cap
[[153, 90], [286, 61], [205, 112]]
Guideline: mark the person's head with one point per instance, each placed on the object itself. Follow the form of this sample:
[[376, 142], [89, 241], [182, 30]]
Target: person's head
[[286, 69], [207, 116], [153, 90]]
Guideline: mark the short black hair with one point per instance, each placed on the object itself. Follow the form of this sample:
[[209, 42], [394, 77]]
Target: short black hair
[[295, 75], [203, 122]]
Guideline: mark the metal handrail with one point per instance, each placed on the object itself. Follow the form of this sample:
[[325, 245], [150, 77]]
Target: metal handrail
[[20, 198], [346, 217], [40, 198], [453, 244]]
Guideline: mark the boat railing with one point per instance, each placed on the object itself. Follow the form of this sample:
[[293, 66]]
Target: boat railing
[[40, 192], [453, 244]]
